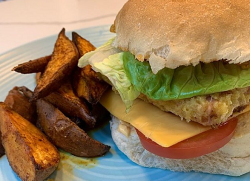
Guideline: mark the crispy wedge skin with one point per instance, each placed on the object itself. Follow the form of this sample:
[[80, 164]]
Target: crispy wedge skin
[[83, 45], [100, 113], [63, 60], [18, 100], [26, 92], [29, 152], [2, 151], [38, 76], [66, 100], [86, 82], [33, 66], [66, 134], [88, 85]]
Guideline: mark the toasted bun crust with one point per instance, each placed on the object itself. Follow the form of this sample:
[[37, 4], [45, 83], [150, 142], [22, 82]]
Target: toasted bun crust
[[232, 159], [172, 33]]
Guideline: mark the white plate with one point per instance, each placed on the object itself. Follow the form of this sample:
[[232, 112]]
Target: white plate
[[113, 166]]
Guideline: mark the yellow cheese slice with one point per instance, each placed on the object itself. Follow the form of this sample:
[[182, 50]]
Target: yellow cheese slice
[[163, 128]]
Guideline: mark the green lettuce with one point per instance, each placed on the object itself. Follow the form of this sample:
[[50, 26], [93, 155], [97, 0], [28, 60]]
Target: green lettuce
[[185, 81], [108, 61], [131, 77], [98, 55]]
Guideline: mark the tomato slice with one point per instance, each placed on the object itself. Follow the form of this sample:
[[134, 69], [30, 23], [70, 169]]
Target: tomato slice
[[196, 146]]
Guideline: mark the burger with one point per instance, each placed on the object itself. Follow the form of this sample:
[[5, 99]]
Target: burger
[[180, 77]]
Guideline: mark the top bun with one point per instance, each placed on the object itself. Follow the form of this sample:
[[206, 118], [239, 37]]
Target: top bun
[[171, 33]]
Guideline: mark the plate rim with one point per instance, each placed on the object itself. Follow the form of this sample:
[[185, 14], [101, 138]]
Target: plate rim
[[51, 36]]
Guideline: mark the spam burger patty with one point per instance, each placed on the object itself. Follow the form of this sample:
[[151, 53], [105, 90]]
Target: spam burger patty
[[212, 109]]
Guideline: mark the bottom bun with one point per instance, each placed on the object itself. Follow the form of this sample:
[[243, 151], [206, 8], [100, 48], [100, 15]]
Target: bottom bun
[[232, 159]]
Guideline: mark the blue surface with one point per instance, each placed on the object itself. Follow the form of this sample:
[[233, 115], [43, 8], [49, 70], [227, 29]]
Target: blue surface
[[111, 167]]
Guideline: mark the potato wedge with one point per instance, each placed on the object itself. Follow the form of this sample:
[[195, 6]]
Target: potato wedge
[[66, 134], [29, 152], [83, 45], [100, 113], [86, 82], [78, 122], [88, 85], [63, 60], [66, 100], [2, 151], [26, 92], [18, 100], [33, 66], [38, 76]]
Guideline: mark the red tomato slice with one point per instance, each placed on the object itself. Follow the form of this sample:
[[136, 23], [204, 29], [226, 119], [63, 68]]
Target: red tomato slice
[[196, 146]]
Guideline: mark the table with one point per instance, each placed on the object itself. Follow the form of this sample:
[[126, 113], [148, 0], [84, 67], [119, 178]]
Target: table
[[28, 20]]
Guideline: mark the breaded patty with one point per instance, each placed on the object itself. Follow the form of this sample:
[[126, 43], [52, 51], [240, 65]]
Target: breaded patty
[[207, 110]]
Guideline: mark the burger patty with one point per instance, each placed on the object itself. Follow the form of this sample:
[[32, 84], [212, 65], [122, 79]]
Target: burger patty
[[207, 110]]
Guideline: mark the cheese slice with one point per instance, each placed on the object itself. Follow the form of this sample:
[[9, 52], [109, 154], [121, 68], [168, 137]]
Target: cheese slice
[[163, 128]]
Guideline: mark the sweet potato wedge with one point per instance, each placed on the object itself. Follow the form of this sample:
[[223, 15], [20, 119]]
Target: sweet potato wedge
[[38, 76], [65, 99], [29, 152], [63, 60], [33, 66], [26, 92], [88, 85], [2, 151], [18, 100], [66, 134], [100, 113], [86, 82], [83, 45]]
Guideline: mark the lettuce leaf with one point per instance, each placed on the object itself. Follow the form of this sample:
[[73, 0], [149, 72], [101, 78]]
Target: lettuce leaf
[[98, 55], [185, 81], [108, 61], [130, 77]]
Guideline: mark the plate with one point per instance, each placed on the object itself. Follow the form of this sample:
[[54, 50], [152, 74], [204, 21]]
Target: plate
[[113, 166]]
